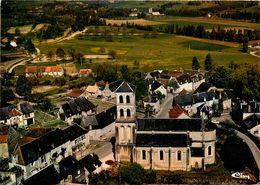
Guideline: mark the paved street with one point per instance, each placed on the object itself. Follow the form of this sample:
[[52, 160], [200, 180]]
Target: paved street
[[254, 149], [165, 107]]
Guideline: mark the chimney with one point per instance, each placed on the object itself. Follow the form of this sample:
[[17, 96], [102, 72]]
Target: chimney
[[249, 108]]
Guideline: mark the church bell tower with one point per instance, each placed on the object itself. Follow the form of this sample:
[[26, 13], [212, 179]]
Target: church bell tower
[[125, 122]]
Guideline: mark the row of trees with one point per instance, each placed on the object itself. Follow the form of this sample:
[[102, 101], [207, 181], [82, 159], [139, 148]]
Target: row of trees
[[208, 63]]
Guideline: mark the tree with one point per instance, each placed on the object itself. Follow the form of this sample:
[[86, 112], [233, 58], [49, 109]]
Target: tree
[[60, 52], [50, 54], [17, 31], [72, 53], [23, 86], [5, 96], [127, 172], [195, 63], [124, 71], [245, 44], [80, 58], [29, 46], [112, 53], [208, 62]]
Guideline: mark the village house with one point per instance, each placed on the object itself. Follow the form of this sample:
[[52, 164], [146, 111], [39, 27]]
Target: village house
[[178, 112], [249, 108], [156, 87], [75, 109], [153, 102], [20, 115], [252, 124], [31, 71], [100, 125], [85, 72], [55, 71], [8, 139], [162, 144], [46, 150], [75, 93], [191, 102]]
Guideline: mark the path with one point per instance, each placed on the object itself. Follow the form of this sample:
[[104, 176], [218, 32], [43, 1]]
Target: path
[[253, 53], [65, 37], [165, 107]]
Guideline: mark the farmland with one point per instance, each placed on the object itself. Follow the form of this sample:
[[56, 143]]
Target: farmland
[[162, 51]]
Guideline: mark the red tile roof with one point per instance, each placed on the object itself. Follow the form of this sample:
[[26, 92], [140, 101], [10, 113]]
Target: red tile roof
[[85, 71], [101, 83], [31, 69], [14, 113], [50, 69], [76, 92], [176, 111], [3, 138]]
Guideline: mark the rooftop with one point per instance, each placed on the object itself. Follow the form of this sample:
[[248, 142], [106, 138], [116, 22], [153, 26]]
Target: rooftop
[[176, 111]]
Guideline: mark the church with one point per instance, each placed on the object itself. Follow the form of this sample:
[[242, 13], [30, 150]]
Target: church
[[161, 144]]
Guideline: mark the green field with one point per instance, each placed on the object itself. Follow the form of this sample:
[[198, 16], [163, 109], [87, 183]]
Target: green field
[[164, 52]]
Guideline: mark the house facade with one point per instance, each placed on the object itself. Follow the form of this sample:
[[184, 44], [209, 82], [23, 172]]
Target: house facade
[[162, 144], [46, 150]]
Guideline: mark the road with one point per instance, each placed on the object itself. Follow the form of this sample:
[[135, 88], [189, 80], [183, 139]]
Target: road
[[254, 149], [252, 146], [165, 107]]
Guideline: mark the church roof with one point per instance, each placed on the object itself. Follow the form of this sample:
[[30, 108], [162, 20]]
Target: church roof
[[162, 140], [125, 87], [148, 124]]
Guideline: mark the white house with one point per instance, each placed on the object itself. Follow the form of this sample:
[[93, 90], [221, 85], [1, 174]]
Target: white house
[[55, 71], [156, 87], [48, 149], [153, 102]]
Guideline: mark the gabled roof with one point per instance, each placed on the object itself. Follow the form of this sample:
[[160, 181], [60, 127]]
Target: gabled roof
[[176, 111], [183, 92], [26, 108], [184, 78], [85, 71], [162, 140], [155, 85], [31, 69], [35, 149], [203, 87], [101, 119], [74, 131], [51, 176], [51, 69], [76, 106], [125, 87], [91, 162], [148, 124], [8, 112], [76, 92], [251, 121], [174, 84], [114, 85], [155, 74]]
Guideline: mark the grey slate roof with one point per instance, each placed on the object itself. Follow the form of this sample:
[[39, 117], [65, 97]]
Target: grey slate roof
[[190, 99], [50, 176], [184, 78], [174, 84], [155, 85], [76, 106], [162, 140], [26, 108], [251, 121], [125, 87], [148, 124], [114, 85]]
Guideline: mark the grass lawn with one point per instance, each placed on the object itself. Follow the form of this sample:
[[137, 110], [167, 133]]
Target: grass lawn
[[164, 52], [23, 29], [43, 119]]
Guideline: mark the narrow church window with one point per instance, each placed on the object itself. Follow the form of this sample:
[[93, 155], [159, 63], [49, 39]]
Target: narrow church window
[[127, 99], [161, 155], [209, 150], [121, 113], [143, 154], [179, 155], [121, 99], [128, 113]]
